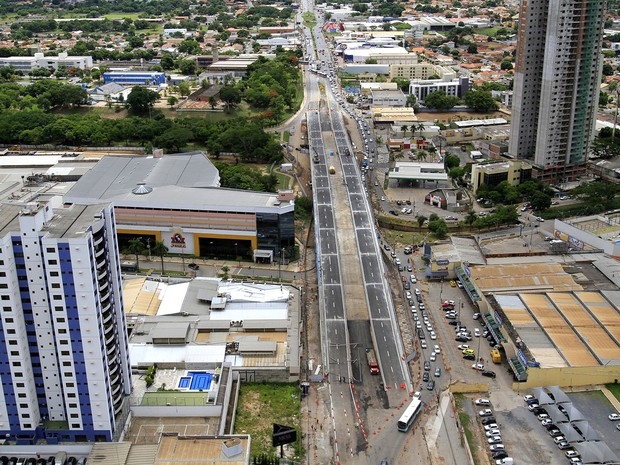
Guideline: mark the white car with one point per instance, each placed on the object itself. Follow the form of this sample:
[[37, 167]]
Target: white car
[[491, 426], [493, 432], [417, 291], [528, 397], [487, 412], [496, 447], [462, 346], [543, 416], [614, 416], [482, 401], [437, 349], [478, 366], [477, 332], [433, 357], [494, 440], [423, 344], [433, 335]]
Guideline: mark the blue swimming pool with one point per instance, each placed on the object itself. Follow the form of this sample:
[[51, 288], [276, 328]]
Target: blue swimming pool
[[201, 380], [196, 381]]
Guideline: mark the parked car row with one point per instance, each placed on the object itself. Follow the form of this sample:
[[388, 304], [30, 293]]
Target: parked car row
[[559, 439], [492, 433]]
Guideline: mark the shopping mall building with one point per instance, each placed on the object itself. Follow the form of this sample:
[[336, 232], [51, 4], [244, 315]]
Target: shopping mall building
[[177, 199]]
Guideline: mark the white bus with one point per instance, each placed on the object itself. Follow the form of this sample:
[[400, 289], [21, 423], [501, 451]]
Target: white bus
[[407, 419]]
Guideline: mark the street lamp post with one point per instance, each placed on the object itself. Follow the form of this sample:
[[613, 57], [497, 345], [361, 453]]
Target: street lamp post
[[148, 247], [237, 252]]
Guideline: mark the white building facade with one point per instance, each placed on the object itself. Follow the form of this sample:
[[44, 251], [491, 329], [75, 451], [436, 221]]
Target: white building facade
[[64, 363], [53, 63]]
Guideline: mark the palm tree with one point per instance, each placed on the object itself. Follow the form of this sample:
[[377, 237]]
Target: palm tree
[[160, 249], [404, 128], [136, 247], [471, 217]]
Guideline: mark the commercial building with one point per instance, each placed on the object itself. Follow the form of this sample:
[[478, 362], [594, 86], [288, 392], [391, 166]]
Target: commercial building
[[388, 98], [494, 172], [64, 362], [455, 87], [176, 199], [53, 63], [135, 78], [421, 71], [557, 77]]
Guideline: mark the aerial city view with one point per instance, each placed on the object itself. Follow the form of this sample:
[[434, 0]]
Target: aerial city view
[[261, 232]]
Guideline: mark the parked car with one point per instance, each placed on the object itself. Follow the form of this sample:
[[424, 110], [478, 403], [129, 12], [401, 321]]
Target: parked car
[[468, 351], [437, 372], [493, 432], [482, 401], [489, 374], [496, 447], [491, 426], [426, 376], [614, 416], [500, 454], [478, 366], [488, 421], [431, 385], [494, 440], [427, 365], [469, 357], [193, 266], [487, 412]]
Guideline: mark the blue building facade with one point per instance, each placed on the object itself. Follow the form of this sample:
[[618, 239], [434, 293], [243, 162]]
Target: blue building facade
[[64, 365], [135, 78]]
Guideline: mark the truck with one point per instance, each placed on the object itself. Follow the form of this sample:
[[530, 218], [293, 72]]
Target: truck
[[332, 170], [496, 356], [372, 361]]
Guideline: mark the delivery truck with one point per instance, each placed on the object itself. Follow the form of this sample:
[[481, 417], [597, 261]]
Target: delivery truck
[[372, 362]]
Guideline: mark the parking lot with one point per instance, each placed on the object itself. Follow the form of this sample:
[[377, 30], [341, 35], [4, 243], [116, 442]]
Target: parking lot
[[522, 434]]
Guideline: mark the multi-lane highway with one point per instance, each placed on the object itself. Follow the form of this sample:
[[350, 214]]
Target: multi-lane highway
[[357, 312]]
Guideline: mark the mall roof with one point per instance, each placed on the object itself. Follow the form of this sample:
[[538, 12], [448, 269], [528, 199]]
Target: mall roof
[[182, 181]]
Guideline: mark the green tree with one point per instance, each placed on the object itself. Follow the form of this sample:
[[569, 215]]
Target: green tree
[[440, 100], [172, 101], [421, 220], [480, 100], [451, 161], [212, 102], [471, 218], [136, 247], [141, 99], [184, 89], [438, 227], [472, 48], [230, 95], [160, 250], [173, 139]]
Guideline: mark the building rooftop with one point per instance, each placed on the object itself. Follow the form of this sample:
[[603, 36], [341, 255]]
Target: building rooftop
[[179, 181]]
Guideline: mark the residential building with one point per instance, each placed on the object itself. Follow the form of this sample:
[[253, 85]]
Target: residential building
[[64, 362], [556, 86], [53, 63], [495, 172]]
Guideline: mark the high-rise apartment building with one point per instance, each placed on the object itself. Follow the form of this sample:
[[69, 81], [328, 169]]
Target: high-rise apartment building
[[64, 365], [556, 86]]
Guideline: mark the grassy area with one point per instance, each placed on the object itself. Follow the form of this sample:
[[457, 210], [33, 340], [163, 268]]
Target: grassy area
[[263, 404], [113, 16], [614, 389], [284, 181], [465, 421], [488, 31], [309, 19]]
